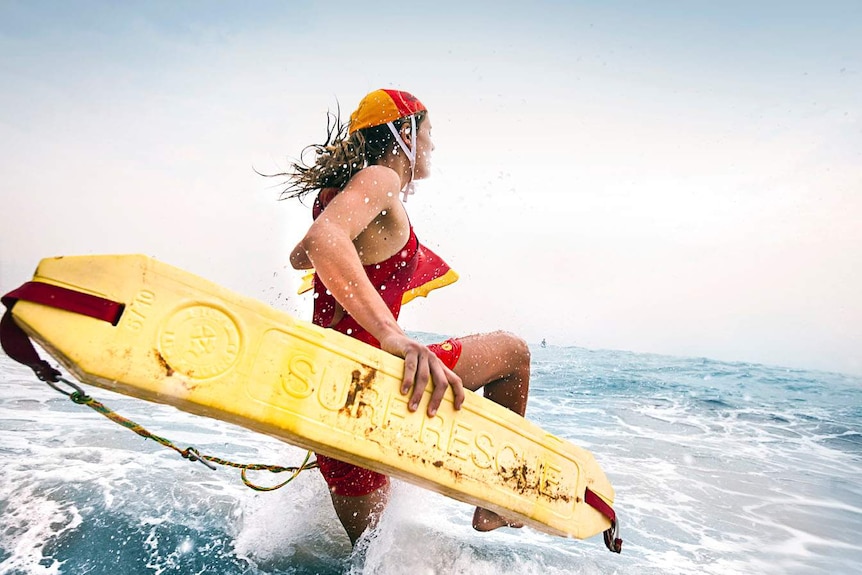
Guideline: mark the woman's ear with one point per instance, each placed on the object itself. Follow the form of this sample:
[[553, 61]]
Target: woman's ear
[[405, 133]]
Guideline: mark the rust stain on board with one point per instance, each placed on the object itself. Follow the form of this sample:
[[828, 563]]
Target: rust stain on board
[[526, 480], [361, 408], [169, 371], [358, 384]]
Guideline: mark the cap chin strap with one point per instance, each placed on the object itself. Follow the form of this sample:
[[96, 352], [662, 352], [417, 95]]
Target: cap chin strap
[[410, 152]]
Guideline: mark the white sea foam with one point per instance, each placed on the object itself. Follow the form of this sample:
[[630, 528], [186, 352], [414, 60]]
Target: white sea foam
[[718, 468]]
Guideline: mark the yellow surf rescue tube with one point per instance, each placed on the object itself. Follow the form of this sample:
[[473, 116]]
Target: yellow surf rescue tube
[[184, 341]]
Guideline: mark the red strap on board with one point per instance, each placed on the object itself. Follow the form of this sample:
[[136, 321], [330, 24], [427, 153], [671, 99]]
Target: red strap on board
[[15, 342], [66, 299], [612, 542]]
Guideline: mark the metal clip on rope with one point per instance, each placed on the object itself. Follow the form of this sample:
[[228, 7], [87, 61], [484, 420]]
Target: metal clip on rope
[[612, 537], [193, 455], [78, 395]]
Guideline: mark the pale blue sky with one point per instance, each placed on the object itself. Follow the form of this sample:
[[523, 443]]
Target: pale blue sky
[[671, 177]]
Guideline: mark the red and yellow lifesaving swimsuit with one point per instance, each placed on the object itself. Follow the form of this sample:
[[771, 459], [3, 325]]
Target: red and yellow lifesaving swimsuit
[[413, 271]]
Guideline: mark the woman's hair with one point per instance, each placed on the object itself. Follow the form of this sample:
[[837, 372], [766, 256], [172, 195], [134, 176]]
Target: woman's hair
[[339, 157]]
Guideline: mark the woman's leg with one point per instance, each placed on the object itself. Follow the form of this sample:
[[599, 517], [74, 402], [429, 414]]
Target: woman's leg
[[499, 362], [359, 513], [358, 495]]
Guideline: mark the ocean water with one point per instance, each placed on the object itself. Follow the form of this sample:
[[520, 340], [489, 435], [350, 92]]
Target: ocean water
[[719, 468]]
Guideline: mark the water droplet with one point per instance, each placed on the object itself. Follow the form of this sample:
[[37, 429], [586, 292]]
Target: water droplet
[[185, 547]]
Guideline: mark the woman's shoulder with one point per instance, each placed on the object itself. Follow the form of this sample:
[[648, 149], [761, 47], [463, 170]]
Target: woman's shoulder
[[381, 175], [374, 182], [369, 192]]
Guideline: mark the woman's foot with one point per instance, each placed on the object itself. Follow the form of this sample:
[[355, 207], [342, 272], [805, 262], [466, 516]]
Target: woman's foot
[[485, 520]]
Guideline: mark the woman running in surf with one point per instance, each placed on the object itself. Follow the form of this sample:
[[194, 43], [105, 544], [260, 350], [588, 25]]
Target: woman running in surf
[[366, 256]]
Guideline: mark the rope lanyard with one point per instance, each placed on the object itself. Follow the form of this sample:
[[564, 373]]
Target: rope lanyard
[[19, 347], [192, 454]]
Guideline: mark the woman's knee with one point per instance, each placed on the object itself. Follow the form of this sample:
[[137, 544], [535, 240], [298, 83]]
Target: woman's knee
[[516, 348], [489, 357]]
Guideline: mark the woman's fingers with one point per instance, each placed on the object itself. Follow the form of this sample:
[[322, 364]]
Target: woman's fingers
[[444, 378], [411, 360], [430, 367], [457, 387], [420, 365], [423, 372]]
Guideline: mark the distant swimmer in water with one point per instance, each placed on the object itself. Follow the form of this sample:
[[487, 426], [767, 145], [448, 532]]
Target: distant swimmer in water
[[544, 343], [366, 256]]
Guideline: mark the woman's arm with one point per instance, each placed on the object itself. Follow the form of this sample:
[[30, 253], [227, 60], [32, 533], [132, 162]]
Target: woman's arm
[[329, 247], [299, 258]]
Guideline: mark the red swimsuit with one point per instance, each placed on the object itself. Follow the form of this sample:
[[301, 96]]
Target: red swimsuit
[[409, 267], [390, 278]]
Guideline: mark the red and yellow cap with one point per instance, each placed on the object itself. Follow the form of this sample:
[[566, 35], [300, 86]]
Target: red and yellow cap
[[383, 106]]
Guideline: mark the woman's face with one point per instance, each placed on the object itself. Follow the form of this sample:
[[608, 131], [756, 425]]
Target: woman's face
[[424, 147]]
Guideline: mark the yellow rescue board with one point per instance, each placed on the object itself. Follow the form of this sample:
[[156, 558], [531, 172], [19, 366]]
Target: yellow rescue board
[[186, 342]]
